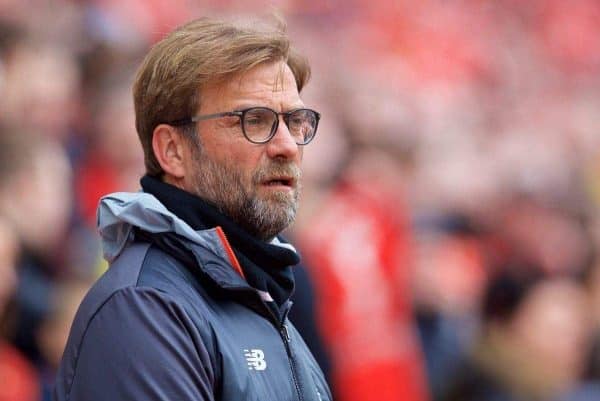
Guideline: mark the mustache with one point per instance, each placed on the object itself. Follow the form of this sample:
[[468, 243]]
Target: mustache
[[275, 169]]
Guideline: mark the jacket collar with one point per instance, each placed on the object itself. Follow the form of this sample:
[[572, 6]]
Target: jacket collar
[[265, 265]]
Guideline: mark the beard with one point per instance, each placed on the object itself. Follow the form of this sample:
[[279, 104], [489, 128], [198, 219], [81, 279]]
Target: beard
[[222, 184]]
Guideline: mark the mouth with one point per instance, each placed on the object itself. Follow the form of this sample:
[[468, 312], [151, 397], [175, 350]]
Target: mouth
[[281, 181]]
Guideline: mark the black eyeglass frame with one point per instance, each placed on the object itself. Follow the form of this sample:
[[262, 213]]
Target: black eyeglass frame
[[242, 113]]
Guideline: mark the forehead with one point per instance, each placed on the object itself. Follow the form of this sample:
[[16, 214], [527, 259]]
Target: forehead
[[271, 84]]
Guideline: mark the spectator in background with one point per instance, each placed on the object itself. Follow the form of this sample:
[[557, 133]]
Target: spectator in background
[[533, 344], [17, 375], [112, 161], [357, 247], [35, 198], [41, 87], [447, 285], [534, 227]]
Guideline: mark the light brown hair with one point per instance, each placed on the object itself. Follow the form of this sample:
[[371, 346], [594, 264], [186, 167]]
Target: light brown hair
[[169, 83]]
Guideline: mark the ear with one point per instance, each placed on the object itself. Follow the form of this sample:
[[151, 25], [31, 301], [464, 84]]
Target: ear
[[169, 149]]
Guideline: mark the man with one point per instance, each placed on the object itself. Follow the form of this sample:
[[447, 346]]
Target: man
[[195, 303]]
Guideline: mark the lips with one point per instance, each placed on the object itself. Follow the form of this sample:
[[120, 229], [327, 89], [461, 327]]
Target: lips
[[278, 176], [280, 181]]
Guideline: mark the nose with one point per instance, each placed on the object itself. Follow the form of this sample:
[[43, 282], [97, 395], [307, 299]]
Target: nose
[[282, 145]]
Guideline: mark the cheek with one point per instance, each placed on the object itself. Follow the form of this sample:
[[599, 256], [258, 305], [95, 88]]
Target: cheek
[[245, 160], [234, 153]]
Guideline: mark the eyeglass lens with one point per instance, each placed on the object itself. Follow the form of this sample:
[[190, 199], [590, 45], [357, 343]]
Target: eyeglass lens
[[259, 124]]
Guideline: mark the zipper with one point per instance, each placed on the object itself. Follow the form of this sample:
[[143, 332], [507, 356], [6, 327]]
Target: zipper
[[283, 331], [286, 340]]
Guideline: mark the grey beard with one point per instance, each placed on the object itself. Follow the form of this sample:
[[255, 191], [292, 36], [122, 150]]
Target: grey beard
[[223, 187], [265, 221]]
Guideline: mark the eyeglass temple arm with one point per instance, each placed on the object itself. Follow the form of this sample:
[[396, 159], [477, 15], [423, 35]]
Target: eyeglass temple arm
[[195, 119]]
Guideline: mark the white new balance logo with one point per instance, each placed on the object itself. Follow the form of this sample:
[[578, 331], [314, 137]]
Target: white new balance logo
[[256, 359]]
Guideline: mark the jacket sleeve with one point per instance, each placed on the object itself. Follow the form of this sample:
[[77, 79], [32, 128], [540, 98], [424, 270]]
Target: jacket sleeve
[[142, 346]]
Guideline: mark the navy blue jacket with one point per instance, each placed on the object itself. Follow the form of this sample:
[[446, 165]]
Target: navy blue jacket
[[173, 320]]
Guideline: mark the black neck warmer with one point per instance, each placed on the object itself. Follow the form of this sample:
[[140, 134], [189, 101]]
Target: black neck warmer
[[267, 267]]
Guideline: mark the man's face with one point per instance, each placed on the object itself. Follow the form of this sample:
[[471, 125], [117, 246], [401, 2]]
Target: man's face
[[257, 185]]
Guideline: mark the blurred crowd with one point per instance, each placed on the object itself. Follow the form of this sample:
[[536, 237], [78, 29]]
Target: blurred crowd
[[450, 221]]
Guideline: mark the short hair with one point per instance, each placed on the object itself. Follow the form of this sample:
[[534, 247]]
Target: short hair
[[168, 85]]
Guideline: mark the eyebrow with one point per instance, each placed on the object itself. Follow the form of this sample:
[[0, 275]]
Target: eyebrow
[[245, 106]]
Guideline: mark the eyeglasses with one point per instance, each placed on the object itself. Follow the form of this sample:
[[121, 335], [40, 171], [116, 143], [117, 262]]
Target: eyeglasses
[[259, 124]]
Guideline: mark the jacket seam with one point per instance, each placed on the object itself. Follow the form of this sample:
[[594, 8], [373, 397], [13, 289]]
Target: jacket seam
[[139, 277]]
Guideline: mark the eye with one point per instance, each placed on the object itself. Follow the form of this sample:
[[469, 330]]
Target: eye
[[254, 120], [258, 118]]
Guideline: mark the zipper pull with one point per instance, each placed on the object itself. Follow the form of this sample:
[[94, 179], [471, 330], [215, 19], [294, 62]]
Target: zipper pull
[[284, 330]]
